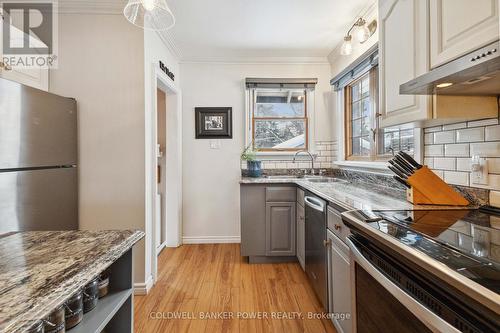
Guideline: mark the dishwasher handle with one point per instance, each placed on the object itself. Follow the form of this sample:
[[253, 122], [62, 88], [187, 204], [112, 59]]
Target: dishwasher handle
[[315, 204], [429, 318]]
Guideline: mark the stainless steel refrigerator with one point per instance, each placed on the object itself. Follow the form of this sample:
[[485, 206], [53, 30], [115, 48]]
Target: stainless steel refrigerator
[[38, 160]]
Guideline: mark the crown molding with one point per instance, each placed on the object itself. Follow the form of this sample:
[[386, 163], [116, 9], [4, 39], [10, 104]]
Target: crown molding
[[169, 41], [105, 7], [260, 61]]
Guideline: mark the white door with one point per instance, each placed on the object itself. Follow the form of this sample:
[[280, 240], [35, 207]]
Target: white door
[[461, 26], [403, 55]]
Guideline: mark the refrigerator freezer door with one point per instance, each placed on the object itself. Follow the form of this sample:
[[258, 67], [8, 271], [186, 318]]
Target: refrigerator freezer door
[[37, 129], [39, 200]]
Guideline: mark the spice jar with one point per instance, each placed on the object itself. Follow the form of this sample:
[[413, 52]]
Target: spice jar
[[74, 310], [55, 322], [90, 295], [103, 284]]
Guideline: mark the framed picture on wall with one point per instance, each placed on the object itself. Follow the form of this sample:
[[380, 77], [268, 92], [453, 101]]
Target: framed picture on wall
[[214, 123]]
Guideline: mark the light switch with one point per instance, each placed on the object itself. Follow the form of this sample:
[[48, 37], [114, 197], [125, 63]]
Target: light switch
[[214, 144], [479, 168]]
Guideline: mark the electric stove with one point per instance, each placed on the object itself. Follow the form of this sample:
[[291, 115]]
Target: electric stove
[[467, 241]]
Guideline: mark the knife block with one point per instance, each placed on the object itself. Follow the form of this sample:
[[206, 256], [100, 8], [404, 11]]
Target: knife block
[[428, 189]]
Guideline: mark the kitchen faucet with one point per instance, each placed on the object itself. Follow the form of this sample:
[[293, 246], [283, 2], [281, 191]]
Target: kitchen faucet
[[310, 155]]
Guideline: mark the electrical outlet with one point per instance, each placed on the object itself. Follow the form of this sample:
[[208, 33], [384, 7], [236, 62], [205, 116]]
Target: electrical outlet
[[214, 144], [479, 168]]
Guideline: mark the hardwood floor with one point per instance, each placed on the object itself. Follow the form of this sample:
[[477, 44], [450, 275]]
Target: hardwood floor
[[199, 280]]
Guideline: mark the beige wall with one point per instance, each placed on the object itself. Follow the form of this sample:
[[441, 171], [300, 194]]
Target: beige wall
[[211, 207], [101, 65]]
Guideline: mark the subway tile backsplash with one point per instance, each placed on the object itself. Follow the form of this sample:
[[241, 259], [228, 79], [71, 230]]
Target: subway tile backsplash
[[326, 153], [449, 148], [470, 135]]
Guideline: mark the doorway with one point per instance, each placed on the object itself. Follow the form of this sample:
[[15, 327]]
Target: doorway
[[165, 168], [161, 194]]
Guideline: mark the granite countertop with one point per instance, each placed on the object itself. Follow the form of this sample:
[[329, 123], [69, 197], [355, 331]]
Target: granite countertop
[[40, 270], [350, 196]]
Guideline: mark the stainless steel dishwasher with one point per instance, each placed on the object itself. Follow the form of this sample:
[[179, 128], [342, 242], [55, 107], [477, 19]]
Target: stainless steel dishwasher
[[316, 250]]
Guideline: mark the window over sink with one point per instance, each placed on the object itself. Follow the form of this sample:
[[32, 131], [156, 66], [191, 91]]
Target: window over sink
[[278, 115], [279, 120]]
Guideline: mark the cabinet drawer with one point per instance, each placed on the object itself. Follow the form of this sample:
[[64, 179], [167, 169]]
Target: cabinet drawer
[[280, 194], [336, 225], [300, 197]]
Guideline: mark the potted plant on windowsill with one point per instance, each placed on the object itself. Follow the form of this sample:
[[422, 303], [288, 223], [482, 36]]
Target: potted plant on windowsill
[[254, 165]]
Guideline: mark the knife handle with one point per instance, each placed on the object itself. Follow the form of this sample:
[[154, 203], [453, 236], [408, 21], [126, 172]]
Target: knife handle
[[410, 159], [400, 169], [402, 181], [403, 164], [400, 174]]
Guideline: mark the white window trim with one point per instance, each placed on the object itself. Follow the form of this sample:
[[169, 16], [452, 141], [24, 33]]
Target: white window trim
[[342, 162], [311, 123]]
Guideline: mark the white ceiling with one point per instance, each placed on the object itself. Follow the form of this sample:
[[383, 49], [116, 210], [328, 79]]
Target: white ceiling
[[261, 30]]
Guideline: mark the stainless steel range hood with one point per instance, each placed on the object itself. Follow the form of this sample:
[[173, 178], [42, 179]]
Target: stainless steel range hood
[[474, 74]]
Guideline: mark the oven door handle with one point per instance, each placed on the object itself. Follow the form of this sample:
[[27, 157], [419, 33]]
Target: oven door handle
[[429, 318]]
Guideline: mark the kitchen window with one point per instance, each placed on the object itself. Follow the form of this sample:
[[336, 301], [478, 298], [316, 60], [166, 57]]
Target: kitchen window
[[279, 120], [365, 140]]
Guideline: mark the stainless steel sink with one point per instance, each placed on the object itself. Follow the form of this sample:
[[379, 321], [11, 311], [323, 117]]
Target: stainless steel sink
[[326, 180], [281, 177]]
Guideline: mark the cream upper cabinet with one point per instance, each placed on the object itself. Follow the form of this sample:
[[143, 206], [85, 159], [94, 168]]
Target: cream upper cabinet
[[36, 78], [403, 55], [458, 27]]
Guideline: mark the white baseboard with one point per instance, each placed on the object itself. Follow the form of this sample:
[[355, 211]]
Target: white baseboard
[[160, 248], [211, 239], [143, 288]]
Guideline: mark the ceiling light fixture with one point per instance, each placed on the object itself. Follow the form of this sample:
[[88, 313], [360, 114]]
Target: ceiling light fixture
[[444, 85], [363, 33], [149, 14]]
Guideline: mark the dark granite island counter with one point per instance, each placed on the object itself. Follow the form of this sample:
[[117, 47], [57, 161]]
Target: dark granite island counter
[[41, 270]]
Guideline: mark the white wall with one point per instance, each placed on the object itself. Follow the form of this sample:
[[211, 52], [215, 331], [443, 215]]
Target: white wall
[[340, 62], [211, 204]]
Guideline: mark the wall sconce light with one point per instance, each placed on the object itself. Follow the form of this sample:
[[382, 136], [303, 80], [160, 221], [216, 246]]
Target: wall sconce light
[[363, 33]]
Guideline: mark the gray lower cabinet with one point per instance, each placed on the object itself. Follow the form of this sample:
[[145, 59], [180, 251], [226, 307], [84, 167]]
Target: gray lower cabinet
[[301, 235], [339, 284], [268, 222], [280, 228]]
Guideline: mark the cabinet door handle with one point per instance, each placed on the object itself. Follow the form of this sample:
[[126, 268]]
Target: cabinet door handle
[[337, 226], [327, 242]]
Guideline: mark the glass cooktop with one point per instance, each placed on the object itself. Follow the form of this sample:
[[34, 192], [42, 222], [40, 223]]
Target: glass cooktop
[[468, 241]]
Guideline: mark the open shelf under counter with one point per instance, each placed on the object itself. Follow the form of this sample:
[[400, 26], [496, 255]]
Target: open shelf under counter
[[108, 310]]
